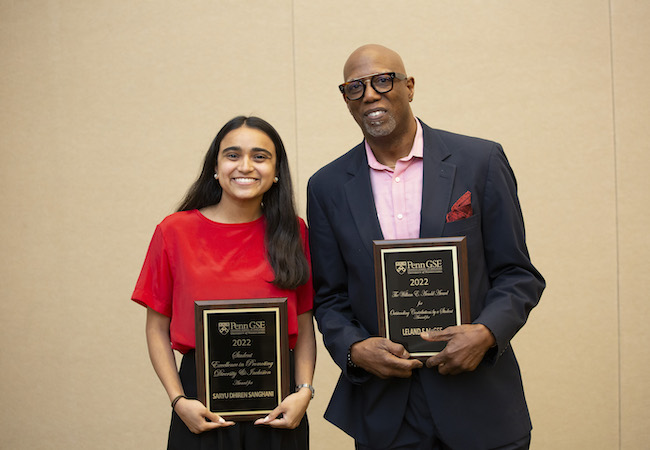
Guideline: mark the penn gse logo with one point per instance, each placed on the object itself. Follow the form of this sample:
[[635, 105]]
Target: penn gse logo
[[242, 328], [413, 268], [224, 328]]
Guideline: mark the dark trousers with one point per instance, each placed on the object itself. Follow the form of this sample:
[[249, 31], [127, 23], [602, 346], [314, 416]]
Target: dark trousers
[[418, 430], [241, 436], [521, 444]]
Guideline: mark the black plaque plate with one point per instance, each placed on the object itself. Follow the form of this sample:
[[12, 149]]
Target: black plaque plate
[[422, 285], [242, 356]]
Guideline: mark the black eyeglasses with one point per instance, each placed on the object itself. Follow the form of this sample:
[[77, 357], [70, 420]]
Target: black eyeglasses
[[380, 82]]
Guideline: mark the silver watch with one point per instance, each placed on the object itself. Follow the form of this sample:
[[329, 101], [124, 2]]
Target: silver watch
[[311, 388]]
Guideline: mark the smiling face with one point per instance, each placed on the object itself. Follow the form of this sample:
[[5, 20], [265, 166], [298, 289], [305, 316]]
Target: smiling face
[[380, 115], [246, 165]]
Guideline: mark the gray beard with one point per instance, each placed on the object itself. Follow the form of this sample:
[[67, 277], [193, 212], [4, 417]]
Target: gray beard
[[381, 131]]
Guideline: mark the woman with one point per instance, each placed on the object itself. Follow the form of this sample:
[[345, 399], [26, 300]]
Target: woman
[[235, 235]]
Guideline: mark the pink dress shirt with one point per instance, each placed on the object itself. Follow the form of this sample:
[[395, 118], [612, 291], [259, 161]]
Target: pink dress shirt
[[398, 192]]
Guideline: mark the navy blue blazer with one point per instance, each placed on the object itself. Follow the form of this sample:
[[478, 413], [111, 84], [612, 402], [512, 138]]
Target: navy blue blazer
[[480, 409]]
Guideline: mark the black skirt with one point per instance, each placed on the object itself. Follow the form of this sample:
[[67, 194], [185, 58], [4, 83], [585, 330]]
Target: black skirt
[[242, 435]]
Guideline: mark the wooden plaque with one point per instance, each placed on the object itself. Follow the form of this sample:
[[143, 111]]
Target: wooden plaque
[[422, 285], [242, 356]]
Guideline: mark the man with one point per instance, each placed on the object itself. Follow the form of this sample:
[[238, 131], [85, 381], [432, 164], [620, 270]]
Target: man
[[401, 182]]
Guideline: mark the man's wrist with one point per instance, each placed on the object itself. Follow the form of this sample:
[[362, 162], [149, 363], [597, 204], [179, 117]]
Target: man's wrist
[[491, 339], [351, 363]]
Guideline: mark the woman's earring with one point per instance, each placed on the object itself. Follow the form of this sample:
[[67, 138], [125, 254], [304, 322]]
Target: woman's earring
[[276, 179], [216, 176]]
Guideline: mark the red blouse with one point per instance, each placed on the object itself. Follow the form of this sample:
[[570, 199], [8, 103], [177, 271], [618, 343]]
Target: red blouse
[[193, 258]]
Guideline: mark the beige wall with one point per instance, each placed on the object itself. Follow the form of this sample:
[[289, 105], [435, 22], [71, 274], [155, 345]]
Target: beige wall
[[107, 108]]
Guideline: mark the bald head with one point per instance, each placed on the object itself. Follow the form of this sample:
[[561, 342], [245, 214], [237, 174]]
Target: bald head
[[378, 57], [384, 115]]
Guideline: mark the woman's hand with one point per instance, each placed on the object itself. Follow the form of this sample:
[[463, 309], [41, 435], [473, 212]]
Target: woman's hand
[[292, 408], [197, 417]]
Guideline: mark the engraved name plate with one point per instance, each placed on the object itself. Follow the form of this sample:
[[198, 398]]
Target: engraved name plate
[[242, 356], [422, 285]]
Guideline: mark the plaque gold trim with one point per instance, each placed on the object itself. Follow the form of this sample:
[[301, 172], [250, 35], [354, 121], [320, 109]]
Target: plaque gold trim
[[421, 285], [250, 338]]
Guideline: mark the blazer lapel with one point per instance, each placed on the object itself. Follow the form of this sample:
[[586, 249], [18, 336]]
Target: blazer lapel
[[362, 204], [437, 184], [438, 180]]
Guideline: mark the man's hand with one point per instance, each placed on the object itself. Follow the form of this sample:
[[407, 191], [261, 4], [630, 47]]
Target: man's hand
[[383, 358], [466, 346]]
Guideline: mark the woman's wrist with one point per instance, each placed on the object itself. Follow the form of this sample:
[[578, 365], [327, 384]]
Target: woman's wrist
[[176, 399], [307, 386]]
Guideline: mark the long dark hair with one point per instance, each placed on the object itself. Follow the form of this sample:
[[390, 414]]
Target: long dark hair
[[283, 241]]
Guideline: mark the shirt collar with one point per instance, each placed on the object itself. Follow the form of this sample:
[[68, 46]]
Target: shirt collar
[[416, 151]]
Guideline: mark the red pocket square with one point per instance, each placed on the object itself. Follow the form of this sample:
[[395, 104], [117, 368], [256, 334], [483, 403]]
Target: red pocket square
[[462, 209]]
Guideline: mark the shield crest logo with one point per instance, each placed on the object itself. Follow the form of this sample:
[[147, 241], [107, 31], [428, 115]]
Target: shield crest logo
[[400, 267], [224, 328]]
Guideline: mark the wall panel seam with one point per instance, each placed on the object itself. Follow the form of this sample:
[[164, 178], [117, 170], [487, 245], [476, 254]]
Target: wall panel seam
[[616, 218], [297, 170]]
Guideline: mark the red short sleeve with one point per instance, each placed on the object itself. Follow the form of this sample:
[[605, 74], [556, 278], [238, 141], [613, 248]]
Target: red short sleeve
[[155, 285]]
